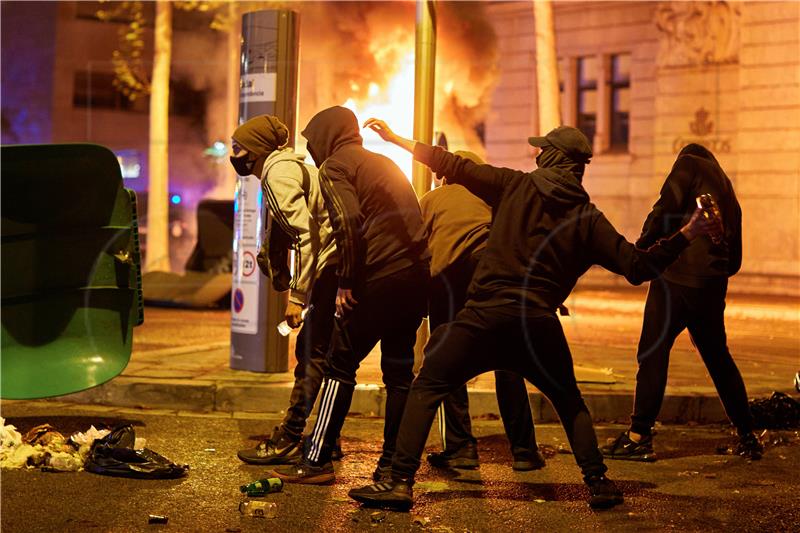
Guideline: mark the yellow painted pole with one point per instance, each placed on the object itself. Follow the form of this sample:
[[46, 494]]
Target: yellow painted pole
[[158, 154], [546, 67], [424, 82]]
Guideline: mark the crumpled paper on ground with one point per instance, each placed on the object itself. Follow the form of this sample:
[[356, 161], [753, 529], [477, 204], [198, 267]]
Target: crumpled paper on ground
[[44, 447]]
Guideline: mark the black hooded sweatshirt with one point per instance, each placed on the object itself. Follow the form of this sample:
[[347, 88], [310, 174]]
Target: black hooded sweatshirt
[[545, 234], [695, 172], [374, 212]]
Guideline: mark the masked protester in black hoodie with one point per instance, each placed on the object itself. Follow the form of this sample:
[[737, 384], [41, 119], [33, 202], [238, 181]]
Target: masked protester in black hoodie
[[690, 295], [545, 234], [383, 274]]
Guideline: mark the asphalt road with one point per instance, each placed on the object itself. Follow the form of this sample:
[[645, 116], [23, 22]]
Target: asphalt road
[[689, 489]]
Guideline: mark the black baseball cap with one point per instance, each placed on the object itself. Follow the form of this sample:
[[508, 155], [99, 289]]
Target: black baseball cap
[[567, 139]]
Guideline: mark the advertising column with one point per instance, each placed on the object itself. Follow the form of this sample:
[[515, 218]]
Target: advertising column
[[268, 86]]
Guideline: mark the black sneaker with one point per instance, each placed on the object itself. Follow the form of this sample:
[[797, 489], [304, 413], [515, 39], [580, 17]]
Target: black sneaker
[[279, 449], [624, 448], [603, 493], [393, 495], [528, 460], [305, 473], [465, 458], [749, 447], [382, 473]]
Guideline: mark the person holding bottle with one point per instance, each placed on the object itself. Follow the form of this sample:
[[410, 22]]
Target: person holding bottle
[[689, 295], [545, 234]]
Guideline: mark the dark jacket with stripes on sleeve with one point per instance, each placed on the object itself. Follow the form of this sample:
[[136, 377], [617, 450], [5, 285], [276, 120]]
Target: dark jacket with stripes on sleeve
[[375, 214]]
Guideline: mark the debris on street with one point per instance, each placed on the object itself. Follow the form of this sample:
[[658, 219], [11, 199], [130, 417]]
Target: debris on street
[[44, 447], [115, 455], [779, 411]]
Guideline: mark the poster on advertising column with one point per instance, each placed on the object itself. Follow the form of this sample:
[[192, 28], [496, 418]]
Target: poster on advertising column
[[248, 223]]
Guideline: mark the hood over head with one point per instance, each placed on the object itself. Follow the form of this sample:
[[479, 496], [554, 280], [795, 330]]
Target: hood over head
[[698, 150], [329, 130], [262, 135]]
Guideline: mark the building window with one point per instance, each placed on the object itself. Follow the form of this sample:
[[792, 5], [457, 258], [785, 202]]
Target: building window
[[97, 90], [587, 96], [620, 85]]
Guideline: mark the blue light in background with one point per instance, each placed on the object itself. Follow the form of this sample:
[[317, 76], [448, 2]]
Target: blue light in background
[[176, 199]]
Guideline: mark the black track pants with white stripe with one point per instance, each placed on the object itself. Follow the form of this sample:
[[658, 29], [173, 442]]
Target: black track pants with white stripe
[[310, 351], [389, 310]]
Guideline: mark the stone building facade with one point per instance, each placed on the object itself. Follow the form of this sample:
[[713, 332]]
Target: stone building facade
[[648, 77]]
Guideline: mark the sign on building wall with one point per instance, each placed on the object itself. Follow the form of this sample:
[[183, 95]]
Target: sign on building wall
[[701, 130]]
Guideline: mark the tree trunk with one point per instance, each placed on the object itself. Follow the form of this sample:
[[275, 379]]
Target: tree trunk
[[546, 67], [234, 74], [157, 254]]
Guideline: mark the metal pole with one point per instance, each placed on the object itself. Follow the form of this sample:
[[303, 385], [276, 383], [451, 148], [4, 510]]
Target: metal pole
[[424, 82], [546, 67], [270, 42]]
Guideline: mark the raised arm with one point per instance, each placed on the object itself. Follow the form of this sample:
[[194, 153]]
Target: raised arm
[[484, 181]]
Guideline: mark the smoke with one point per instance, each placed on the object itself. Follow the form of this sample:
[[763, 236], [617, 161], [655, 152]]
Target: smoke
[[347, 46]]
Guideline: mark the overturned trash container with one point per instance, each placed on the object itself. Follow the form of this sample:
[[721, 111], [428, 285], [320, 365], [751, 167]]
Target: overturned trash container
[[71, 272]]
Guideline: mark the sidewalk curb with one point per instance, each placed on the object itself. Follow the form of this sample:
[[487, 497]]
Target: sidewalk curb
[[207, 396]]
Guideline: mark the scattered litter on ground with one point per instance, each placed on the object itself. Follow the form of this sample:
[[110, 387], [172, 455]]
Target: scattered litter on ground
[[779, 411], [262, 487], [210, 450], [114, 455], [258, 509], [710, 476], [688, 473], [548, 451], [377, 517], [157, 519], [539, 500], [44, 447]]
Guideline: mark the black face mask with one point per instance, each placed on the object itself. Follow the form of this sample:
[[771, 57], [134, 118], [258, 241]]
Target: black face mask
[[243, 165]]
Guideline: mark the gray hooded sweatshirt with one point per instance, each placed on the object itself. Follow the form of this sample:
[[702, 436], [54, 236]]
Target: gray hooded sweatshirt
[[298, 223]]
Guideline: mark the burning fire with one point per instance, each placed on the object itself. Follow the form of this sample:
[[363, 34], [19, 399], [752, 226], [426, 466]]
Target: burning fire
[[395, 105], [360, 55]]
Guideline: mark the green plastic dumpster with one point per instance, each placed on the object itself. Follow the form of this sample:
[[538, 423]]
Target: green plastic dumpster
[[71, 270]]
